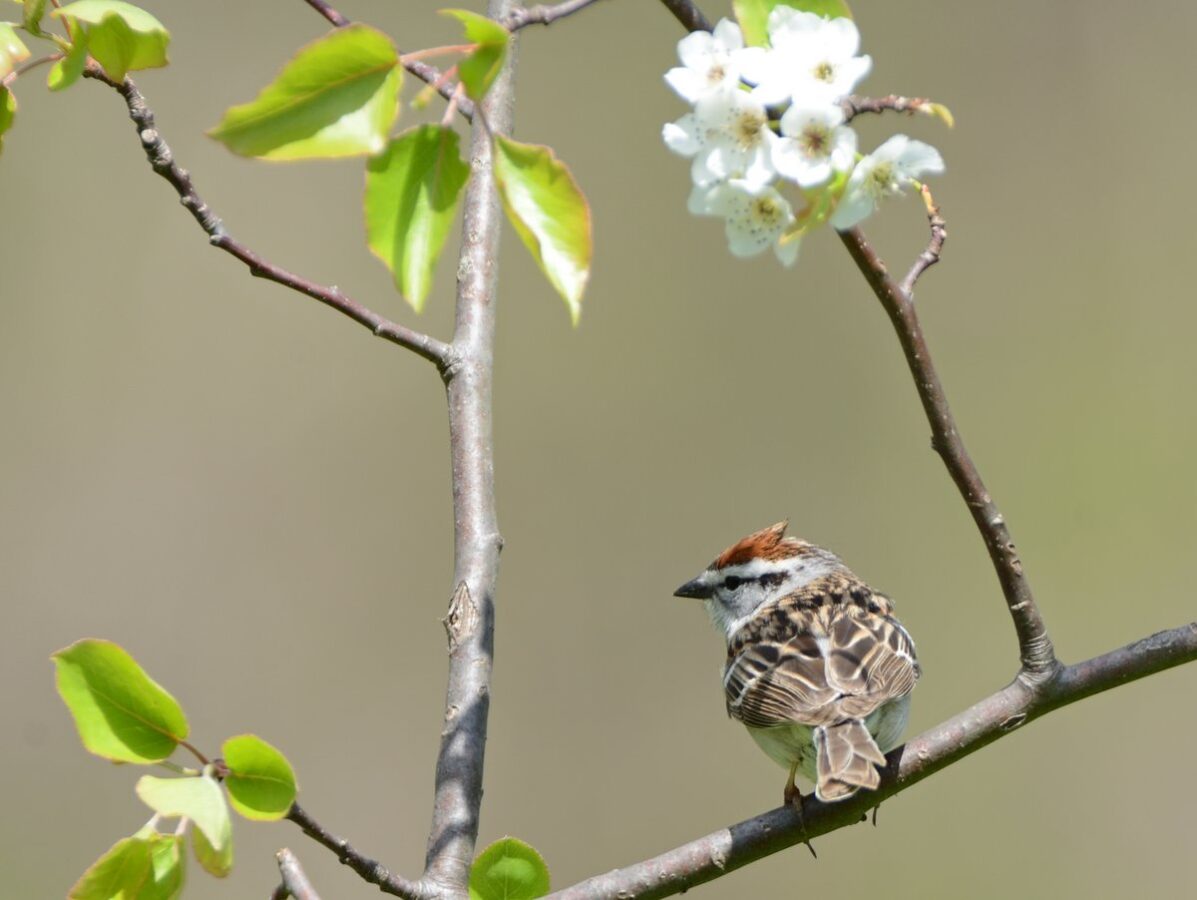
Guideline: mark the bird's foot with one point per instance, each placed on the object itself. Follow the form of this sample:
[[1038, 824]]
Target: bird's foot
[[794, 798]]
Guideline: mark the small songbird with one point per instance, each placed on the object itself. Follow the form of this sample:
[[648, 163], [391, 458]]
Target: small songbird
[[818, 668]]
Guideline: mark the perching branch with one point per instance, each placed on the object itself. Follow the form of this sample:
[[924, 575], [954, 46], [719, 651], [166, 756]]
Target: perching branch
[[426, 73], [545, 14], [295, 880], [1034, 645], [371, 871], [476, 541], [162, 160], [1020, 702]]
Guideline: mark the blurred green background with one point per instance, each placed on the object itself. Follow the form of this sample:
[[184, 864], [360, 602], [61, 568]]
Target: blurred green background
[[251, 494]]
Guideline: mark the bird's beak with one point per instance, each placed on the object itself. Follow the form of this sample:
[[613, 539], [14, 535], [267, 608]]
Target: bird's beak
[[696, 588]]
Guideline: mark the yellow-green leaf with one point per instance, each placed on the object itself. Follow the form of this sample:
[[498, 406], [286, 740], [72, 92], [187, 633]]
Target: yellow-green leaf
[[122, 714], [67, 70], [549, 213], [753, 15], [261, 783], [199, 798], [480, 68], [412, 191], [168, 868], [120, 36], [120, 874], [32, 16], [12, 49], [8, 112], [508, 869], [338, 96], [213, 861]]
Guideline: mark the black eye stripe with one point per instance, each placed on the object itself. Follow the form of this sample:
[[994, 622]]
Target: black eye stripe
[[767, 580]]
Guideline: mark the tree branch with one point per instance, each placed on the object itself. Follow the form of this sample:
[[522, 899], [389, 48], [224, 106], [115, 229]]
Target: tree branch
[[1035, 647], [688, 14], [477, 542], [371, 871], [854, 106], [728, 849], [545, 14], [326, 10], [426, 73], [295, 880], [162, 160]]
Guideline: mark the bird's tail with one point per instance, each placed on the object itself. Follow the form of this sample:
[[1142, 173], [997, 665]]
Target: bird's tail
[[846, 760]]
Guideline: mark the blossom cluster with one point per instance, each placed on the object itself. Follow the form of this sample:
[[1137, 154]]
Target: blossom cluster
[[768, 117]]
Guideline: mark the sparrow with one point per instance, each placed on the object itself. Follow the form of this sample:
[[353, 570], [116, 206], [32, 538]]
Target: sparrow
[[818, 668]]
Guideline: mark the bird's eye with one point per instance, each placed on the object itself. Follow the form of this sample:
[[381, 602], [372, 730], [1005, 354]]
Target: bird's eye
[[732, 582]]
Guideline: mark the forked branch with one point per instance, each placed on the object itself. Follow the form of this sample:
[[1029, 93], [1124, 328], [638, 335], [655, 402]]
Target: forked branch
[[162, 160], [1035, 647], [728, 849]]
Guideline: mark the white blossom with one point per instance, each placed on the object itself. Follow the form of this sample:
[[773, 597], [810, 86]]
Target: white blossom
[[884, 173], [755, 217], [709, 62], [811, 60], [728, 136], [814, 144]]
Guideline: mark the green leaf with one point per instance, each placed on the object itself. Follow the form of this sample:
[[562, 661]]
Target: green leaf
[[508, 869], [753, 15], [120, 874], [8, 112], [35, 11], [549, 212], [479, 70], [67, 70], [198, 798], [120, 36], [412, 191], [338, 96], [168, 868], [260, 782], [214, 862], [12, 49], [122, 714]]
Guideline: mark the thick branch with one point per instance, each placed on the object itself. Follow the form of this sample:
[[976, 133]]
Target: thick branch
[[370, 870], [470, 621], [545, 14], [295, 880], [426, 73], [688, 14], [1035, 648], [994, 717], [162, 160]]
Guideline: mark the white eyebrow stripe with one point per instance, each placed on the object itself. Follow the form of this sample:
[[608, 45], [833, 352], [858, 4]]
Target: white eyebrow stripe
[[755, 568]]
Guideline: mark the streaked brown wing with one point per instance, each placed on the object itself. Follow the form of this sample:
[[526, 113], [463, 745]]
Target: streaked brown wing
[[871, 661], [860, 663], [771, 683]]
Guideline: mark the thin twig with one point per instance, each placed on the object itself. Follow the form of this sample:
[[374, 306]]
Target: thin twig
[[295, 880], [1035, 647], [161, 159], [426, 73], [854, 106], [476, 540], [994, 717], [929, 256], [326, 10], [26, 66], [544, 14], [371, 871], [688, 14]]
